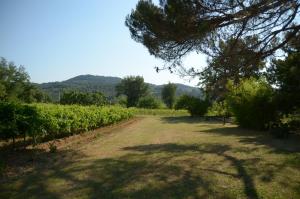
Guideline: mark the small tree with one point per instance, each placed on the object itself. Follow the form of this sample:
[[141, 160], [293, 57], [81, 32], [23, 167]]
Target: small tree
[[134, 88], [252, 104], [195, 106], [149, 102], [220, 109], [168, 94]]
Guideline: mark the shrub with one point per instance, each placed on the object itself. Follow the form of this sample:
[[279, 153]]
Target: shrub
[[279, 130], [81, 98], [168, 95], [48, 120], [219, 109], [195, 106], [252, 104], [17, 119], [182, 102], [121, 101], [149, 102]]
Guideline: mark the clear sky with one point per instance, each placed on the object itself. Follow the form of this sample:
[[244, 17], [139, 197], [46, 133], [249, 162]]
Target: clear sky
[[59, 39]]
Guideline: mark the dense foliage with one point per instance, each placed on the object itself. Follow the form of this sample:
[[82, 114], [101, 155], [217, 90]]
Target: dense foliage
[[168, 94], [133, 88], [286, 75], [225, 66], [81, 98], [46, 120], [15, 84], [17, 119], [252, 103], [195, 106], [149, 102], [219, 109]]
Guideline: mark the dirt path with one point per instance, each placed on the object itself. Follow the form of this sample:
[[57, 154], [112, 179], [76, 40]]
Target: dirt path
[[161, 157]]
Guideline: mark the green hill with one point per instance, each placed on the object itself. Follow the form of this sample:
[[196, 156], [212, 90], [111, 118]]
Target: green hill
[[104, 84]]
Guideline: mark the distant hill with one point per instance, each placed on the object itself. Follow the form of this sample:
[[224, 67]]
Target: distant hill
[[104, 84]]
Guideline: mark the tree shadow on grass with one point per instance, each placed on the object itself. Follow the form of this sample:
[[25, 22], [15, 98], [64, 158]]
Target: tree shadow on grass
[[192, 120], [130, 176], [182, 119], [147, 172], [25, 173], [220, 150], [259, 138]]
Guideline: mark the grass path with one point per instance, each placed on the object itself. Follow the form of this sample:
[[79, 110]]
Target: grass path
[[161, 157]]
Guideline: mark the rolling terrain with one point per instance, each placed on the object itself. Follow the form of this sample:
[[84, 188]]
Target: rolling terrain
[[106, 85]]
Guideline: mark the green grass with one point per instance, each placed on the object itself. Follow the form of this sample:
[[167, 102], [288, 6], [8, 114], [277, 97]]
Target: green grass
[[159, 112], [165, 157]]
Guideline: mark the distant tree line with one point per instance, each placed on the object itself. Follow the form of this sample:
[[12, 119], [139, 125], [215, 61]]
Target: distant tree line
[[83, 98], [136, 94]]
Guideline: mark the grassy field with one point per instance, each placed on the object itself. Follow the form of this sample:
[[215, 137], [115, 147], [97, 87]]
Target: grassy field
[[160, 157], [159, 112]]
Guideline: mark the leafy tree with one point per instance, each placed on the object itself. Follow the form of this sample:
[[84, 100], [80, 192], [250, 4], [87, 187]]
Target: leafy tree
[[76, 97], [174, 28], [134, 88], [13, 79], [286, 75], [220, 109], [122, 100], [168, 94], [251, 102], [15, 85], [32, 93], [195, 106], [226, 67], [182, 102], [2, 91], [149, 102]]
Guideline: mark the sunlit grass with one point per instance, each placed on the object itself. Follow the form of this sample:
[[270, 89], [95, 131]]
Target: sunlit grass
[[160, 112], [166, 157]]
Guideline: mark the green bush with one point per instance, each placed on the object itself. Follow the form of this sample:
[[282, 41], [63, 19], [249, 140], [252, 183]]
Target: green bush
[[121, 101], [195, 106], [17, 119], [252, 104], [149, 102], [81, 98], [219, 109], [49, 120]]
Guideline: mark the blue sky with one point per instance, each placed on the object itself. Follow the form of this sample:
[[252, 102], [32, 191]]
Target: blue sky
[[59, 39]]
